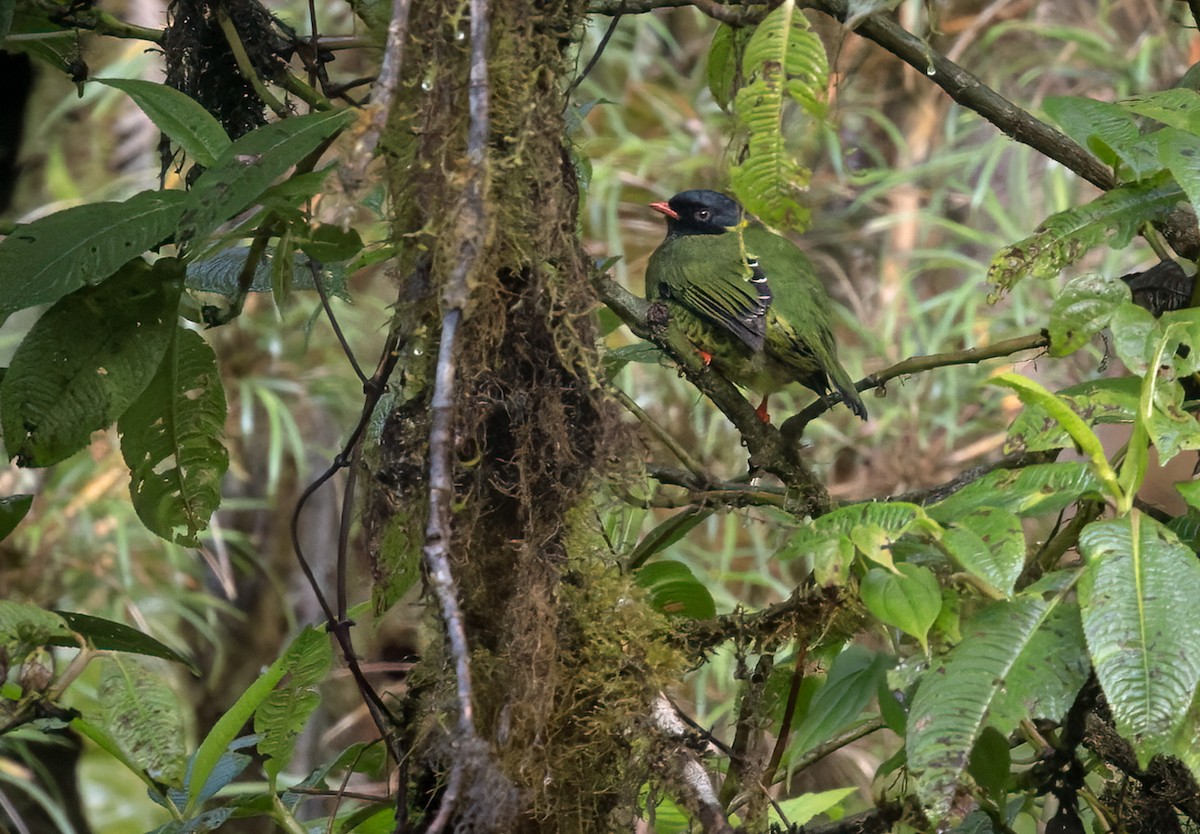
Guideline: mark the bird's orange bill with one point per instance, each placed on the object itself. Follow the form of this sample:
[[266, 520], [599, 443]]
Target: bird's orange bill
[[664, 208]]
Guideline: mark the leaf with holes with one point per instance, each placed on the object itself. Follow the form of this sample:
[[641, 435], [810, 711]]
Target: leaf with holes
[[1082, 310], [171, 441], [143, 715], [42, 261], [86, 360], [281, 717]]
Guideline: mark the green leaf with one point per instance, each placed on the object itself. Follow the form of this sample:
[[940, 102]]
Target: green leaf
[[675, 590], [1135, 332], [800, 810], [990, 762], [1018, 658], [1085, 439], [25, 627], [871, 526], [248, 167], [640, 352], [1190, 490], [111, 636], [784, 62], [853, 680], [1100, 126], [1139, 580], [1177, 107], [281, 717], [143, 714], [1030, 491], [85, 361], [909, 599], [177, 115], [219, 274], [723, 67], [988, 543], [42, 261], [171, 441], [1111, 219], [1108, 400], [666, 534], [1179, 152], [13, 508], [1082, 310]]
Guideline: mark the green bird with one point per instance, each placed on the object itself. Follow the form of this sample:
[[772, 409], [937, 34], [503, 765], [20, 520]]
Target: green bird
[[747, 298]]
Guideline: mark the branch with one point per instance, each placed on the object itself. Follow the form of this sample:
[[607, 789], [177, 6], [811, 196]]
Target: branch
[[472, 223], [688, 776], [739, 15], [382, 96], [768, 450], [794, 425]]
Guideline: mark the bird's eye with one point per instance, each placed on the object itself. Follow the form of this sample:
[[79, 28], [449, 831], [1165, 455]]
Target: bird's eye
[[702, 214]]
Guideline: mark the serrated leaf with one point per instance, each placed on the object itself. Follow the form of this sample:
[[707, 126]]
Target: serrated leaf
[[1063, 238], [171, 441], [988, 543], [13, 508], [107, 635], [909, 598], [280, 718], [723, 68], [1082, 310], [1086, 120], [784, 63], [85, 361], [1147, 656], [178, 115], [854, 679], [895, 518], [1018, 658], [142, 712], [42, 261], [1178, 107], [1179, 153], [675, 590], [1190, 490], [248, 167], [1029, 491]]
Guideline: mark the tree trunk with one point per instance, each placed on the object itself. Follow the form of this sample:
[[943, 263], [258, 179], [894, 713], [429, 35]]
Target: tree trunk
[[563, 662]]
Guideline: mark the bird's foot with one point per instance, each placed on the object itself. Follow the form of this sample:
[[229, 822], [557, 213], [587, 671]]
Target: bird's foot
[[705, 357], [761, 411]]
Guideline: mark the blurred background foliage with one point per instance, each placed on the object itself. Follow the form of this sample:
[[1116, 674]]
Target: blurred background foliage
[[911, 196]]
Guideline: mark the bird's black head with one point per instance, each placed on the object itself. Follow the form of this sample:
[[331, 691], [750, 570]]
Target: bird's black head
[[700, 212]]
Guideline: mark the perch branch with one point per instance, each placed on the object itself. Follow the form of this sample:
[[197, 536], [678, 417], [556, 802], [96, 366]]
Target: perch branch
[[735, 15], [472, 224], [691, 780], [768, 451], [383, 93], [795, 424]]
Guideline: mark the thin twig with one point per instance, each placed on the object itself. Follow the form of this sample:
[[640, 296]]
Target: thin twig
[[245, 65], [735, 15], [319, 283], [383, 94], [795, 424], [472, 227], [789, 710], [814, 755], [664, 437], [595, 59]]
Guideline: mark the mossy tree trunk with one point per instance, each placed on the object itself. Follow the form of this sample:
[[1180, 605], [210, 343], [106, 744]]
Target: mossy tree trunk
[[563, 673]]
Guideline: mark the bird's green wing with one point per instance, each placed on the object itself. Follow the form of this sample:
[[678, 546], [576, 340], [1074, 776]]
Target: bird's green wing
[[708, 275], [799, 327]]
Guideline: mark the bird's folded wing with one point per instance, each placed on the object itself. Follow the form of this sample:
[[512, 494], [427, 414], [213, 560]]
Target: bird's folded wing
[[735, 299]]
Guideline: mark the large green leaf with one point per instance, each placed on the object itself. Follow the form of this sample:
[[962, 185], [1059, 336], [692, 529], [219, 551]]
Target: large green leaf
[[1139, 584], [12, 509], [1030, 491], [171, 441], [177, 115], [143, 715], [1179, 152], [86, 360], [675, 590], [248, 167], [25, 627], [1111, 219], [908, 598], [852, 682], [1178, 108], [988, 543], [871, 527], [1019, 658], [1108, 400], [111, 636], [784, 63], [281, 717], [1082, 310], [220, 273], [42, 261], [1100, 126]]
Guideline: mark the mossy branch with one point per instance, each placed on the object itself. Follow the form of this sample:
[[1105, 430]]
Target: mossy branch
[[768, 449]]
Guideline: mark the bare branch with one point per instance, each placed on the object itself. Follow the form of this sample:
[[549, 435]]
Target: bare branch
[[735, 15], [472, 235], [383, 93], [687, 775], [794, 425]]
